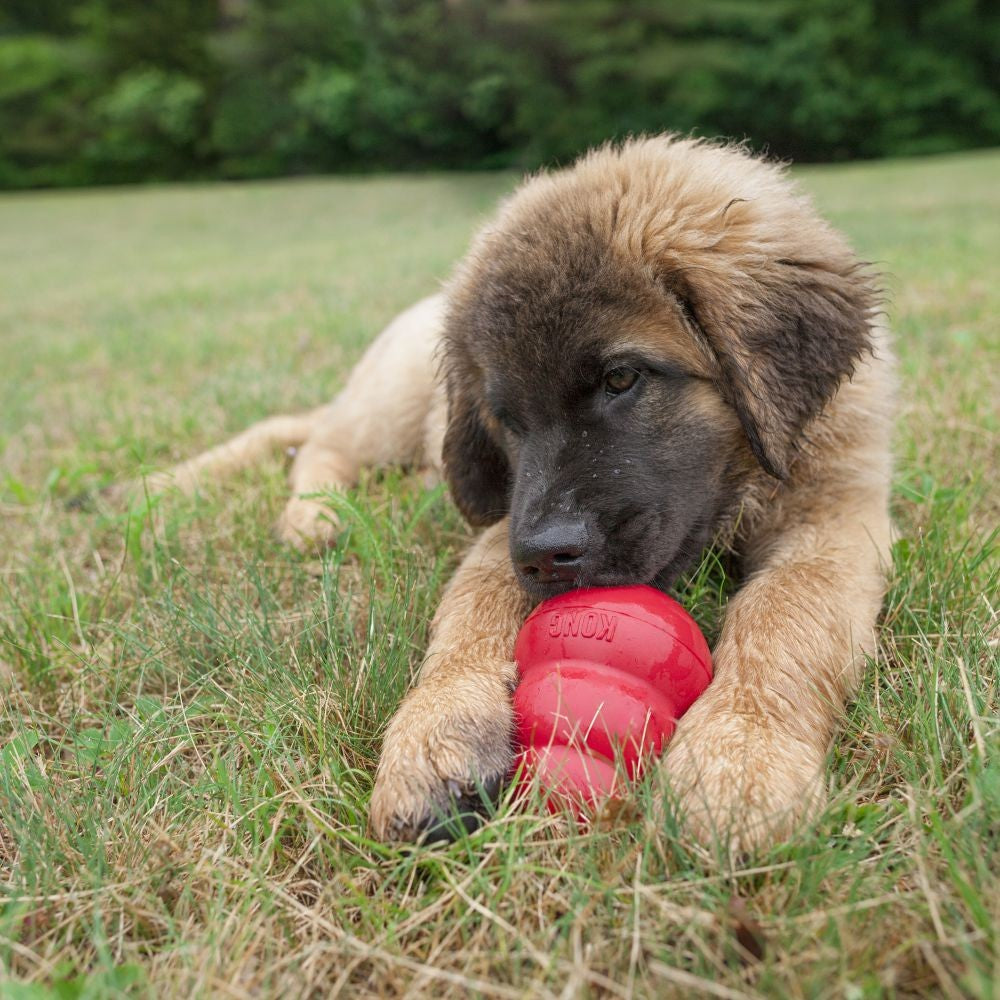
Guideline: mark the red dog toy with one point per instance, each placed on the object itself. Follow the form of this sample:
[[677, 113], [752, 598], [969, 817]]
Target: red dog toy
[[606, 672]]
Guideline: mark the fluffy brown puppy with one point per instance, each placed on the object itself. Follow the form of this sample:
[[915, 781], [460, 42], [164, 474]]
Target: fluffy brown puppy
[[662, 346], [659, 348]]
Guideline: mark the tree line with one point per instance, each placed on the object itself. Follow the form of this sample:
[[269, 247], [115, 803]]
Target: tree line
[[112, 91]]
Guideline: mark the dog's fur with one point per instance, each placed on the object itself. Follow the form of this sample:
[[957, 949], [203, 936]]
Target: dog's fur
[[760, 419]]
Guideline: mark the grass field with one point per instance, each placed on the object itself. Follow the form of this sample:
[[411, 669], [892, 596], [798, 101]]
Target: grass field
[[192, 713]]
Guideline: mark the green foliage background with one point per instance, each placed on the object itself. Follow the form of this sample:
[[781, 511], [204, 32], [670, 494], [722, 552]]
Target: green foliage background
[[98, 91]]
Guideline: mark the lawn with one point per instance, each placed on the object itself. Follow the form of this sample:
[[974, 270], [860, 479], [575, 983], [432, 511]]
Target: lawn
[[192, 713]]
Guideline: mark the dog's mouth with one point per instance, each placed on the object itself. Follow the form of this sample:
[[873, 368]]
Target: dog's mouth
[[638, 552], [540, 586], [541, 589]]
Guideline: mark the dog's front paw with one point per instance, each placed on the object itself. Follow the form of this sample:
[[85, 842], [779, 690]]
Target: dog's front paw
[[741, 779], [307, 524], [445, 756]]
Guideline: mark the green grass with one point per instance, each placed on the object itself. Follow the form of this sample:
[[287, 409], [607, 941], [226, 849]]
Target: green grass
[[192, 713]]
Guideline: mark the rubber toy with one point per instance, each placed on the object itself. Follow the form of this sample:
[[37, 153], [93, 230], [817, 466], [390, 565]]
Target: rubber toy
[[606, 672]]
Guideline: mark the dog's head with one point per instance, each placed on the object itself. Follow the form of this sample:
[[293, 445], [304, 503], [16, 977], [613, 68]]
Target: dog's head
[[628, 342]]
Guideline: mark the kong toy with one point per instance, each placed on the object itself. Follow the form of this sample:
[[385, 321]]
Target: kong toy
[[606, 672]]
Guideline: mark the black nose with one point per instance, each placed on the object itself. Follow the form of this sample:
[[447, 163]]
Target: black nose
[[553, 551]]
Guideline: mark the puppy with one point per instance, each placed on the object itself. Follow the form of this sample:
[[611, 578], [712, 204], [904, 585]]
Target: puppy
[[657, 349]]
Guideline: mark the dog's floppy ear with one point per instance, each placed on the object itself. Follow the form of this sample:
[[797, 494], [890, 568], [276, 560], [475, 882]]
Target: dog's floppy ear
[[785, 332], [476, 468]]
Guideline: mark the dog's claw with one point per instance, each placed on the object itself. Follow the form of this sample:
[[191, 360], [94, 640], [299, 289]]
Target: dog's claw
[[469, 805], [444, 758], [462, 809], [466, 807]]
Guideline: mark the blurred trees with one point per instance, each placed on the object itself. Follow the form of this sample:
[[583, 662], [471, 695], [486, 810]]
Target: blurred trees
[[95, 91]]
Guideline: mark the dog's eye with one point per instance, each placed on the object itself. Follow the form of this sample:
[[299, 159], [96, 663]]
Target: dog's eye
[[620, 380]]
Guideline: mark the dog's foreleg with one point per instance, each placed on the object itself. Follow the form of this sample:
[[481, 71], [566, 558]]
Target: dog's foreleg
[[748, 758], [450, 741]]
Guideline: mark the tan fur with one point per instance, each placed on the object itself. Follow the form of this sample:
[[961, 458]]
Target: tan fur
[[747, 761]]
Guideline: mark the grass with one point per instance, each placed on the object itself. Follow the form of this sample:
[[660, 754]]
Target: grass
[[192, 713]]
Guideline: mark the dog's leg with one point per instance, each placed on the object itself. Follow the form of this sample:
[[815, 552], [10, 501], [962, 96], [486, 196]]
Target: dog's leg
[[380, 418], [240, 452], [450, 741], [747, 760]]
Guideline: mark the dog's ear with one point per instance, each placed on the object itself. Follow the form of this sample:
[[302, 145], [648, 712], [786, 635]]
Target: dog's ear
[[475, 466], [786, 333]]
